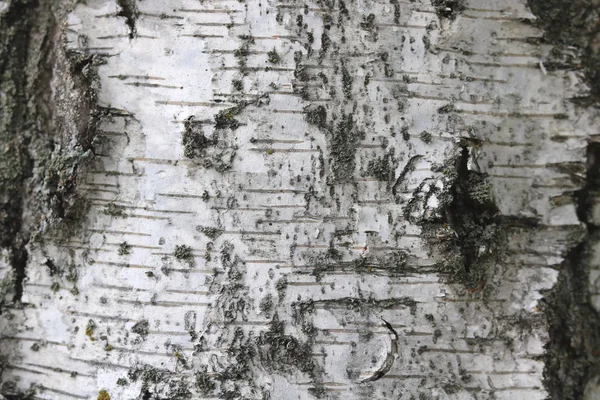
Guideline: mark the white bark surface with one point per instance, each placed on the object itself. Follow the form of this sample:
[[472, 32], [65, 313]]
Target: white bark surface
[[379, 332]]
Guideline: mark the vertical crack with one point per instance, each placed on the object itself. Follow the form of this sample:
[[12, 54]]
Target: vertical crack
[[131, 13], [19, 258], [463, 214], [472, 215], [16, 121]]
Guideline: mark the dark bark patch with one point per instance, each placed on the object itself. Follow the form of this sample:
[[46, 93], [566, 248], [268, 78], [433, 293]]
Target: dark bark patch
[[193, 140], [472, 215], [448, 9], [344, 138], [382, 168], [131, 13], [46, 130], [573, 351], [569, 23]]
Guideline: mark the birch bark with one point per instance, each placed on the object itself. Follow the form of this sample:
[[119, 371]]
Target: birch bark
[[294, 199]]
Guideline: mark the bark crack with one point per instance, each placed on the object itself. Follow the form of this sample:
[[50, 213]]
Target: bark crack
[[131, 13], [391, 356], [573, 351]]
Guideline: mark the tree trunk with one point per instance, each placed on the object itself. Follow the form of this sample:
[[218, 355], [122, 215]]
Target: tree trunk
[[367, 199]]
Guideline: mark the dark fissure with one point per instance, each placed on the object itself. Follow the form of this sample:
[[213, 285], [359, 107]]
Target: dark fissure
[[16, 164], [573, 352], [473, 217]]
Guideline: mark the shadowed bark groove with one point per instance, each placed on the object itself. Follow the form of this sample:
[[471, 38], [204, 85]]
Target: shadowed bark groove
[[573, 25], [45, 130], [573, 352], [130, 11]]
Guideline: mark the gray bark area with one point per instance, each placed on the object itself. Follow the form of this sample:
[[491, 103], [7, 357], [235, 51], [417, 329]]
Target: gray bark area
[[291, 200]]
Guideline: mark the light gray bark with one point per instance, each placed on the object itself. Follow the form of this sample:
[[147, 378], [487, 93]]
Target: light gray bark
[[294, 200]]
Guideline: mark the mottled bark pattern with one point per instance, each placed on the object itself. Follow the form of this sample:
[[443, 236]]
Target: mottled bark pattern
[[311, 199]]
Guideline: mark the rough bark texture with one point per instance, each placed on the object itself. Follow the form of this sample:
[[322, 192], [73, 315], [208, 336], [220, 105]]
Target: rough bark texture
[[47, 124], [294, 199]]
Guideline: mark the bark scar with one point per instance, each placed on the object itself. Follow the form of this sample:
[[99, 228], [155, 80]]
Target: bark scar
[[391, 356], [409, 167]]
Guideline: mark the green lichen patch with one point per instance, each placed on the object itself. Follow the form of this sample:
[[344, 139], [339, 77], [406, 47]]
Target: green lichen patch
[[225, 119], [159, 383], [7, 291], [284, 353], [115, 210], [266, 304], [393, 263], [241, 54], [325, 43], [363, 305], [124, 249], [210, 232], [103, 395], [141, 328], [193, 139], [300, 71], [214, 152], [368, 22], [347, 81], [344, 138], [382, 168], [204, 384], [426, 137], [273, 57], [89, 329], [237, 85], [184, 253], [316, 115], [445, 109]]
